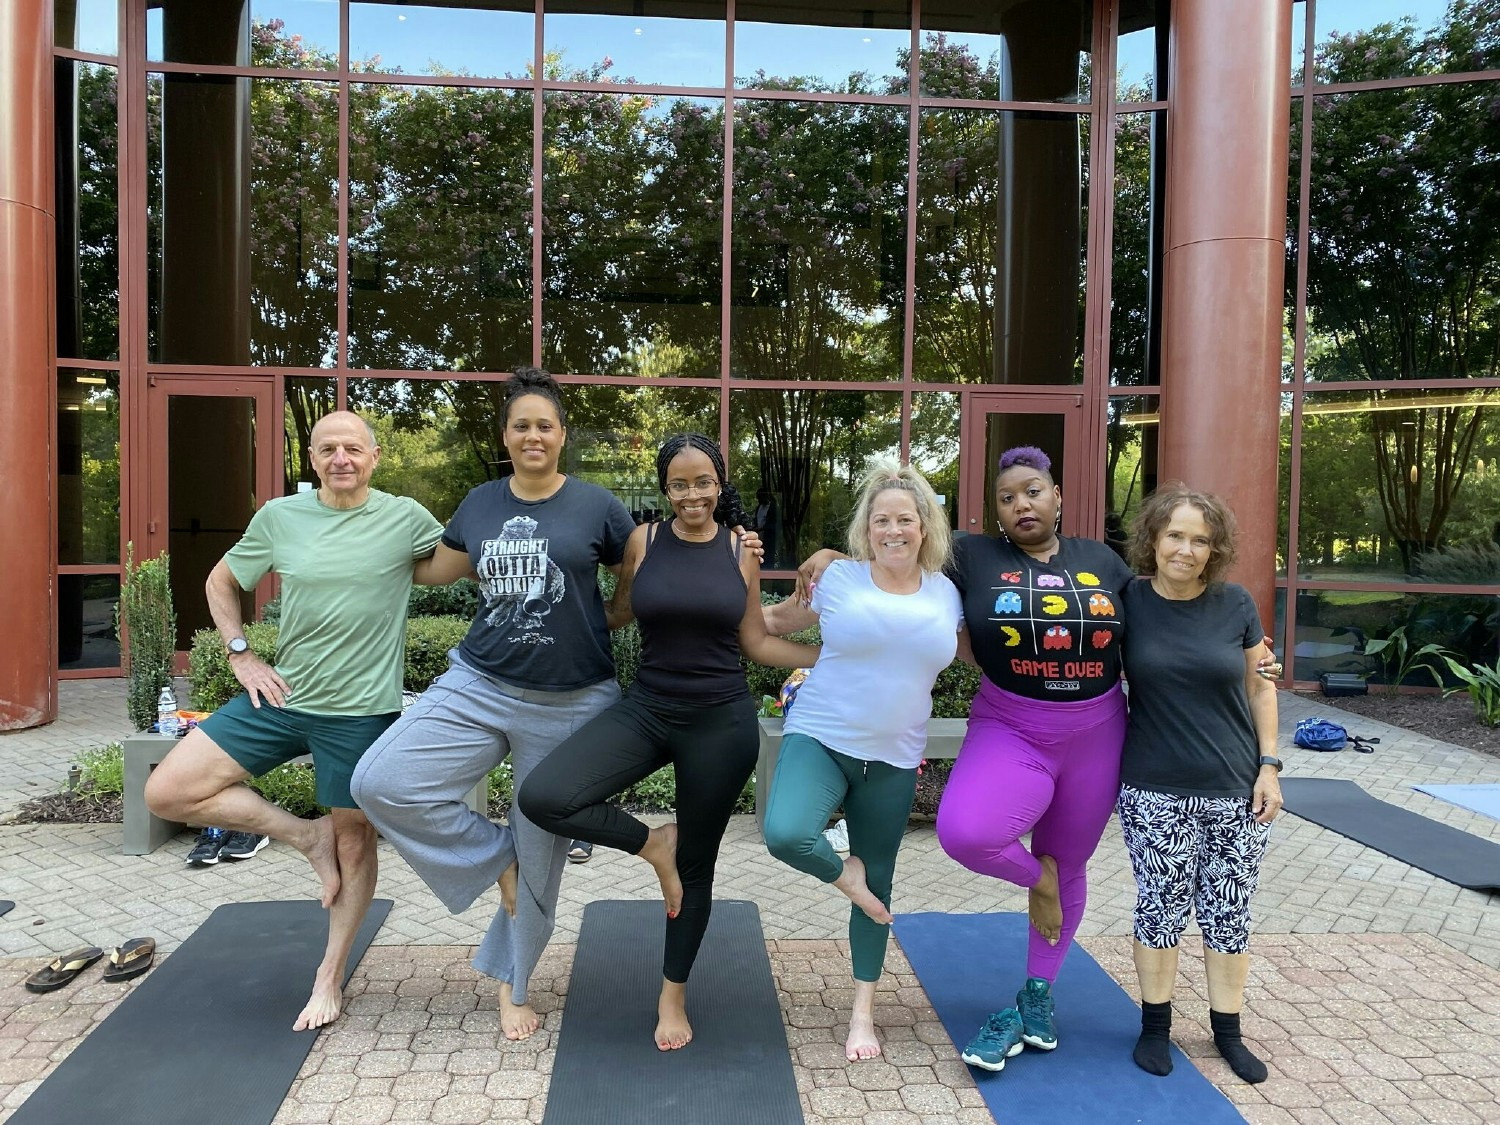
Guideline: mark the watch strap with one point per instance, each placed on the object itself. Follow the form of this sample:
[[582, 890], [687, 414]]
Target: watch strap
[[1269, 760]]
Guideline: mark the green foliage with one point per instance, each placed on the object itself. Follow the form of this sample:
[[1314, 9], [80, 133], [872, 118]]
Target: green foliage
[[292, 786], [1482, 683], [146, 623], [1401, 659], [459, 599], [102, 771], [1465, 564], [428, 640]]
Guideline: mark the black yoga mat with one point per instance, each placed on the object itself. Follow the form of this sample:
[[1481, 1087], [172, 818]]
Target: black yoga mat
[[207, 1035], [738, 1067], [6, 906], [1439, 849]]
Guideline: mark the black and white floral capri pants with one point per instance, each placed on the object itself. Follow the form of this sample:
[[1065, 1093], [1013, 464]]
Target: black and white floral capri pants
[[1198, 852]]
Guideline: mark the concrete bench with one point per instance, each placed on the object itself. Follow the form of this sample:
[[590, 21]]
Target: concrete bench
[[145, 831], [944, 738]]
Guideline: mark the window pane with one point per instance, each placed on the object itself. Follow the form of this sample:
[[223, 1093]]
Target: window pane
[[439, 228], [88, 467], [1293, 250], [819, 240], [859, 47], [242, 270], [1404, 239], [88, 220], [1135, 312], [290, 34], [935, 429], [1002, 214], [632, 199], [492, 39], [307, 400], [1141, 60], [1401, 485], [804, 451], [1028, 52], [86, 621], [1132, 429], [657, 42], [1358, 39], [1334, 628], [87, 25]]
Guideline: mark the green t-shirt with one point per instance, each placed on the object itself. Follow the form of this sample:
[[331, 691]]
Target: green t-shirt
[[345, 579]]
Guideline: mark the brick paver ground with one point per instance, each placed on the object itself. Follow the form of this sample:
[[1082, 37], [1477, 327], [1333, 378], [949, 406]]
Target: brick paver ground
[[1374, 992]]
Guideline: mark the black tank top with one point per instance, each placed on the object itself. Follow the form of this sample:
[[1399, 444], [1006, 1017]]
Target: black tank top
[[689, 599]]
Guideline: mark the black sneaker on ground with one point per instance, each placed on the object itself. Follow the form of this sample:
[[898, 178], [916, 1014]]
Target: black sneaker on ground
[[243, 845], [206, 851]]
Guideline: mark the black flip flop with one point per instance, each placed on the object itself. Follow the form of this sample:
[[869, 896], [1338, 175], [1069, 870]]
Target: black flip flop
[[63, 969], [131, 959], [580, 851]]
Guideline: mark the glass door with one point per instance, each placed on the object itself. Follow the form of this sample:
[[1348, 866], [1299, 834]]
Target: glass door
[[208, 475], [993, 423]]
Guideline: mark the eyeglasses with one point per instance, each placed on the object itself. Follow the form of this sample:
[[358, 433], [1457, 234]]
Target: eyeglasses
[[703, 486]]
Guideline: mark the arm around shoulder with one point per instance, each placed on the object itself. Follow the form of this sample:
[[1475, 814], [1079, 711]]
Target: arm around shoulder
[[443, 566], [617, 611], [755, 642]]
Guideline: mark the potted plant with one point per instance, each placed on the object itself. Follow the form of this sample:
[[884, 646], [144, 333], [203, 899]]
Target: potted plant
[[147, 627]]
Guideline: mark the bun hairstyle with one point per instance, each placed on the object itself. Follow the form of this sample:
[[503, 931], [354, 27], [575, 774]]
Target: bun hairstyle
[[534, 381], [1028, 455], [729, 511]]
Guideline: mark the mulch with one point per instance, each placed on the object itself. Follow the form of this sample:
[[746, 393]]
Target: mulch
[[71, 808], [1447, 720]]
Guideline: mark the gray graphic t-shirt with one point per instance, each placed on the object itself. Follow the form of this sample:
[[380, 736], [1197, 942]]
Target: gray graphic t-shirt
[[541, 619]]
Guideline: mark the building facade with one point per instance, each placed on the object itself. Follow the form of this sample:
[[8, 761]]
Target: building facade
[[1255, 247]]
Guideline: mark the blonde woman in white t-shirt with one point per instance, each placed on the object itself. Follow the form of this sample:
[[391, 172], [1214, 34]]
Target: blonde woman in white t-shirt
[[890, 622]]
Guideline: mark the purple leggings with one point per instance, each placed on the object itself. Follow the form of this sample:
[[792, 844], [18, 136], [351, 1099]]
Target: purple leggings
[[1058, 780]]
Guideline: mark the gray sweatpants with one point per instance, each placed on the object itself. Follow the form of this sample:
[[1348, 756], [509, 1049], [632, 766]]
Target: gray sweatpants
[[411, 784]]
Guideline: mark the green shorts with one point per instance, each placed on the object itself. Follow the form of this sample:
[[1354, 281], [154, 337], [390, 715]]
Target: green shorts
[[261, 738]]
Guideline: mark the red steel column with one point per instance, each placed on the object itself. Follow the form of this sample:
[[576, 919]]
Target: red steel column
[[28, 375], [1227, 120]]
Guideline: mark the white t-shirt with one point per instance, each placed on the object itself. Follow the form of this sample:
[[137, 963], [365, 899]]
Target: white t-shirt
[[870, 694]]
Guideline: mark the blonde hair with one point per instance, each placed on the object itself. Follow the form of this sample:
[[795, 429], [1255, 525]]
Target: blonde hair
[[886, 473]]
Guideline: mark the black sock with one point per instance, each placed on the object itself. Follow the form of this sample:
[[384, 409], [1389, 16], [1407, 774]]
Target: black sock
[[1227, 1038], [1153, 1049]]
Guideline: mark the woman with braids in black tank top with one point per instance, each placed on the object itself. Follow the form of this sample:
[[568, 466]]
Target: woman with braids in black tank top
[[696, 595]]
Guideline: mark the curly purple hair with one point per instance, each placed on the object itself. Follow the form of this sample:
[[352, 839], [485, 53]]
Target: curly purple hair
[[1028, 455]]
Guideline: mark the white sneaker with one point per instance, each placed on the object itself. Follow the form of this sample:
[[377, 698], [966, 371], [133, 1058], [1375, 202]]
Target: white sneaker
[[838, 835]]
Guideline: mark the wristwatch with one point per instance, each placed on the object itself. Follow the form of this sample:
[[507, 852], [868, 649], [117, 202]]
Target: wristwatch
[[1267, 760], [237, 645]]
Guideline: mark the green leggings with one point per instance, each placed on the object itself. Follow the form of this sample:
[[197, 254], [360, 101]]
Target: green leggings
[[811, 781]]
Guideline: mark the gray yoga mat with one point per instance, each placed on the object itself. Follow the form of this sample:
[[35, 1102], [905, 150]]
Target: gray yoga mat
[[738, 1067], [1439, 849], [206, 1036]]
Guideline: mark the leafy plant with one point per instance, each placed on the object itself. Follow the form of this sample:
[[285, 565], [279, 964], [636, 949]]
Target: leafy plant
[[1401, 661], [292, 786], [458, 599], [147, 626], [1482, 683], [428, 640], [102, 771], [209, 674]]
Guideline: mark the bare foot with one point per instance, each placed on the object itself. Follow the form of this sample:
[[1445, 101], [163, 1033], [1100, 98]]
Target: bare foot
[[323, 1006], [1043, 904], [507, 883], [517, 1021], [322, 852], [661, 853], [862, 1043], [852, 883], [672, 1028]]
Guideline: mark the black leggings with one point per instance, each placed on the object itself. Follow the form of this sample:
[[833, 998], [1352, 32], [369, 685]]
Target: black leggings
[[713, 751]]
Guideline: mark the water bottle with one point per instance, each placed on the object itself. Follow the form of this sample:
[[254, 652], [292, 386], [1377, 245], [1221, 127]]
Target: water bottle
[[166, 713]]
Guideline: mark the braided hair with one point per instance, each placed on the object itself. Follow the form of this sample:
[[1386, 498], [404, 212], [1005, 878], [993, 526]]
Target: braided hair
[[533, 381], [729, 511]]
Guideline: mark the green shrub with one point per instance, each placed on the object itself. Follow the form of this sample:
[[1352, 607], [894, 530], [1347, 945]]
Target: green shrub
[[293, 787], [428, 640], [146, 625], [102, 771], [459, 599]]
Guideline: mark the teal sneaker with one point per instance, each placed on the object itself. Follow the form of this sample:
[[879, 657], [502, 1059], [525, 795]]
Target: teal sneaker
[[998, 1040], [1034, 1002]]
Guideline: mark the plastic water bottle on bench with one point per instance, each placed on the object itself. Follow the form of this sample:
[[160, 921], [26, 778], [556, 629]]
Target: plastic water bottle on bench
[[166, 713]]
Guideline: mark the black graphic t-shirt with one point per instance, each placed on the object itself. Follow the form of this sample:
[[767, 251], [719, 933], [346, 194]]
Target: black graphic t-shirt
[[541, 618], [1043, 630]]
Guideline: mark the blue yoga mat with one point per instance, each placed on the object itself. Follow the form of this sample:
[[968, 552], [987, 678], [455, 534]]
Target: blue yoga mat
[[972, 964], [1476, 798]]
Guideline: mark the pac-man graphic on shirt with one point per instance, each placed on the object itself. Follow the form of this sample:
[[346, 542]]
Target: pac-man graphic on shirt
[[1008, 602], [1010, 576], [1100, 605], [1101, 638], [1057, 637], [1011, 634], [1086, 578], [1053, 604], [1050, 580]]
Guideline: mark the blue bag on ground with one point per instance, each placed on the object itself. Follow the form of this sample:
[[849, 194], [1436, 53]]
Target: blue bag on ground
[[1319, 734]]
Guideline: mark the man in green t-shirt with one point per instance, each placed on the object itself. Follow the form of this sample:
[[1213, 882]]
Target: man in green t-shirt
[[344, 554]]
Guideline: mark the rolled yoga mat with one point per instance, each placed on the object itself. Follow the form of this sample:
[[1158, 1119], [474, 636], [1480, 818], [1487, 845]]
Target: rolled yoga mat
[[737, 1069], [1439, 849], [206, 1036], [973, 964]]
